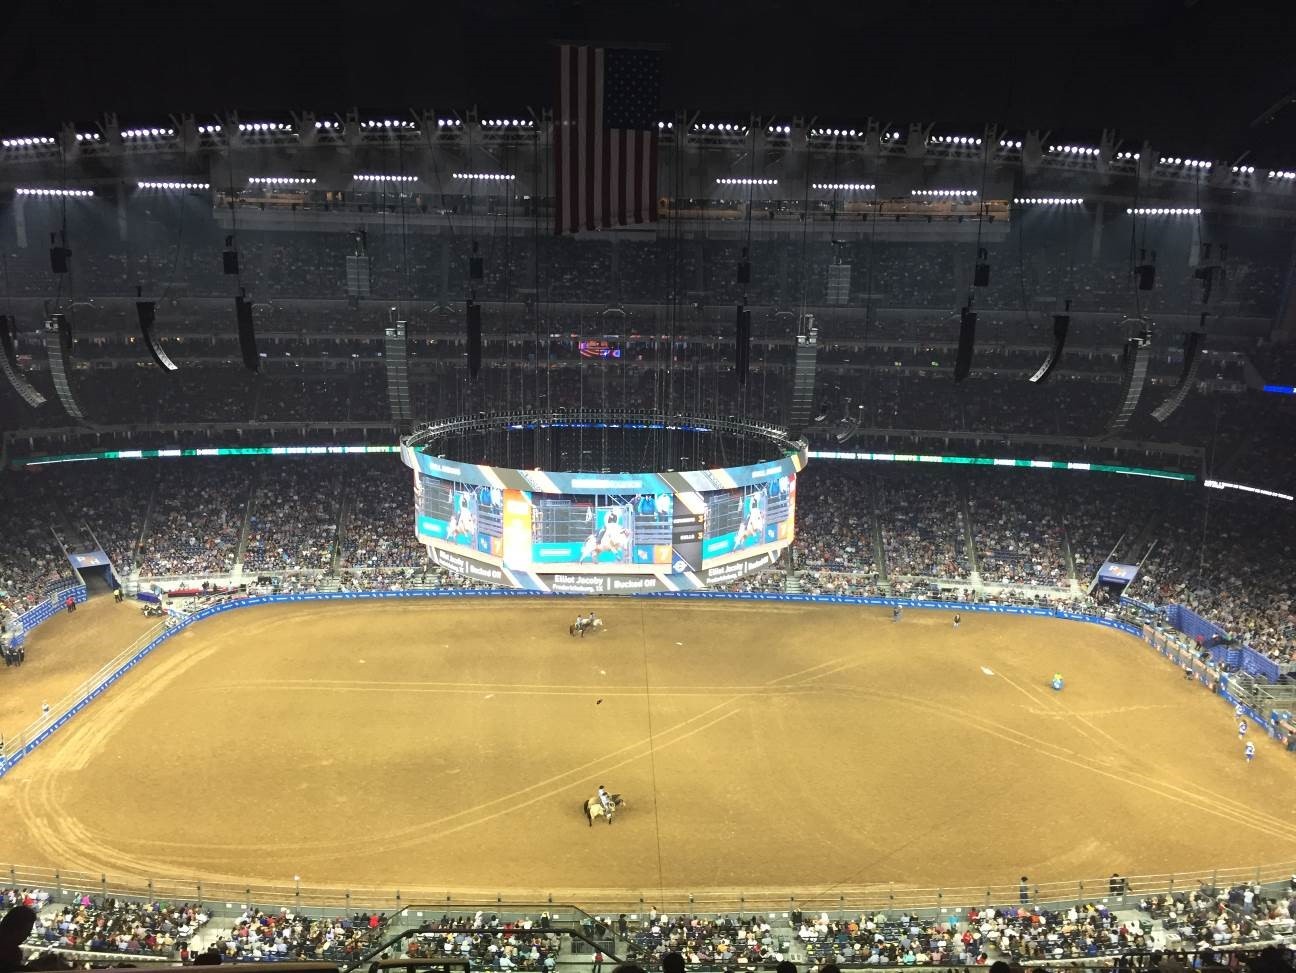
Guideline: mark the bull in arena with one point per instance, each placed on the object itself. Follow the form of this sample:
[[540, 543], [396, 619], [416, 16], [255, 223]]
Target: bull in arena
[[593, 808]]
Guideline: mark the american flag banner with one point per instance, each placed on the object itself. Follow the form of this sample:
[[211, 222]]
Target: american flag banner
[[605, 137]]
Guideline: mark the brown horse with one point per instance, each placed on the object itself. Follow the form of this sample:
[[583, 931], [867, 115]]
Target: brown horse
[[593, 808]]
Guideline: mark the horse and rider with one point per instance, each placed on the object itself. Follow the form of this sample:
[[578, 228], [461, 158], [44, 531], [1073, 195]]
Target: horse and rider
[[603, 805], [585, 623], [613, 537]]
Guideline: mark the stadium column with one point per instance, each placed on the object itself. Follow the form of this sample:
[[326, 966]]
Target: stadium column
[[1095, 245], [20, 221], [123, 225], [1285, 322]]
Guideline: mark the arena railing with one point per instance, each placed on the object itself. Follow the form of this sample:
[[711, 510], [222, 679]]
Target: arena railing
[[230, 899], [77, 699]]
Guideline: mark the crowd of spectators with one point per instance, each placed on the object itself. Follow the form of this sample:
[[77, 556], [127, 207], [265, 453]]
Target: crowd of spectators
[[834, 518], [31, 563], [293, 520], [33, 898], [119, 926], [1025, 933], [1018, 537], [196, 518], [286, 935], [378, 531], [1217, 552], [1226, 559], [489, 943], [706, 941], [922, 526], [880, 940], [1207, 916]]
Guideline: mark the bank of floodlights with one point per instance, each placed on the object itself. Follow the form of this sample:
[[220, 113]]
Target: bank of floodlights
[[737, 181], [1162, 211], [381, 177], [46, 191], [27, 143], [943, 193], [151, 184], [1048, 201], [846, 186]]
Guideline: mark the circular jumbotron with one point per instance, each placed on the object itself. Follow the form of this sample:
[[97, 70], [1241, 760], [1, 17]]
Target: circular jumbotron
[[603, 503]]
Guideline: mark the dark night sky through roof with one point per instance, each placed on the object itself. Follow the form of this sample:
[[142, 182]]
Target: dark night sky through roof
[[1190, 75]]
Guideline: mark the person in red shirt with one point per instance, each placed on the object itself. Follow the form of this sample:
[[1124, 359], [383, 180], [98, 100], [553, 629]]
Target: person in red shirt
[[69, 603]]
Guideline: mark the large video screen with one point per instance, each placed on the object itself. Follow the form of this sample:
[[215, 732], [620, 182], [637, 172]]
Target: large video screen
[[613, 533], [747, 518]]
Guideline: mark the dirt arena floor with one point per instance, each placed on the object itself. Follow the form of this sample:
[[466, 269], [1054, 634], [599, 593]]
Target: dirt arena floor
[[446, 746]]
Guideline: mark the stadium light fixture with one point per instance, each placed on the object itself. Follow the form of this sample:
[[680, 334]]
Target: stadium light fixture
[[1281, 174], [485, 176], [88, 136], [327, 125], [209, 129], [264, 127], [943, 192], [43, 191], [1163, 211], [1048, 201], [1010, 143], [955, 140], [25, 143], [848, 186], [143, 133], [381, 177], [739, 181], [1127, 156], [1075, 150], [282, 180], [150, 184], [1244, 170], [449, 123]]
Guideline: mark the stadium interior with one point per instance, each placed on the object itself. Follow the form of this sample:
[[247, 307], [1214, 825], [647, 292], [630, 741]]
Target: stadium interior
[[950, 463]]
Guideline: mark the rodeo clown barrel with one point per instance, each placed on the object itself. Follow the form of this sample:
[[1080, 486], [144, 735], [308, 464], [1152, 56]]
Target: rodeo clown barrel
[[560, 502]]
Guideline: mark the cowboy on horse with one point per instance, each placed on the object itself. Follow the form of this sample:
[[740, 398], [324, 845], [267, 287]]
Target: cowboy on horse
[[584, 624], [602, 804]]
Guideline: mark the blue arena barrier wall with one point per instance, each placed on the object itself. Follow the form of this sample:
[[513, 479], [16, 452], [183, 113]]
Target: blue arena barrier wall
[[1234, 656], [47, 609], [179, 625]]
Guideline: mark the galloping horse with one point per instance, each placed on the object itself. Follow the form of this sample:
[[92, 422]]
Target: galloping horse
[[594, 809], [585, 624]]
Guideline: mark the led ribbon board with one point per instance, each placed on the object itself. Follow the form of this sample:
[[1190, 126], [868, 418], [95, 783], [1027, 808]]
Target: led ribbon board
[[1033, 464], [204, 451]]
